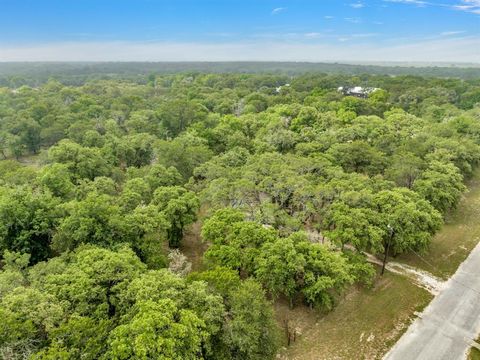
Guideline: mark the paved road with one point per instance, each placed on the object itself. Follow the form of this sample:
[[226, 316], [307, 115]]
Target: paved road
[[447, 326]]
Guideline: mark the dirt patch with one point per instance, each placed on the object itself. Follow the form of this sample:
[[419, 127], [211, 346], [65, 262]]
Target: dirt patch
[[193, 247], [420, 277]]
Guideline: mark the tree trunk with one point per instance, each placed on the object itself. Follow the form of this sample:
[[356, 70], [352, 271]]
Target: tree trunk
[[387, 249]]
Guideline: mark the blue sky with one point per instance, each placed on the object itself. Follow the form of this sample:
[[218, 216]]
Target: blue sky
[[321, 30]]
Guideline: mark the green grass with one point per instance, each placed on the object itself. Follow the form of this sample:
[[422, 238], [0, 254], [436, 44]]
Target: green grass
[[474, 354], [460, 234], [34, 161], [366, 323]]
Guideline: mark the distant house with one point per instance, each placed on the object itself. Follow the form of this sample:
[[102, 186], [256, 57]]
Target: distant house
[[278, 89], [357, 91]]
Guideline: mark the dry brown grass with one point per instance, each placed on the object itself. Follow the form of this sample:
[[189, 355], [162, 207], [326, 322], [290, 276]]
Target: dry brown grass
[[193, 247], [364, 325], [367, 322]]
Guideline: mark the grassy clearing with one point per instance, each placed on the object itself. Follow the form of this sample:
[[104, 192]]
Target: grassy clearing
[[368, 322], [474, 354], [32, 160], [35, 161], [459, 235], [193, 247], [364, 325]]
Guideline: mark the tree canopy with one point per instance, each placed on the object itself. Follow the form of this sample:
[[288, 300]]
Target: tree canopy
[[159, 215]]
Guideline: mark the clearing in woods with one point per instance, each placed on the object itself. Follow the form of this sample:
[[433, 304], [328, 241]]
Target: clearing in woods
[[367, 322], [474, 354]]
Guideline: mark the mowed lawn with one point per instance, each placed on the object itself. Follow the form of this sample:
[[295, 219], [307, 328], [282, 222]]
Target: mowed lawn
[[367, 322]]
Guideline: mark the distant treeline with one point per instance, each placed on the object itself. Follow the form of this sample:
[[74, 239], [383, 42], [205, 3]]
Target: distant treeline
[[77, 73]]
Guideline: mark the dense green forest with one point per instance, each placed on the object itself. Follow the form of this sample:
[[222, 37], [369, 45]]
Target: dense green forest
[[76, 73], [291, 181]]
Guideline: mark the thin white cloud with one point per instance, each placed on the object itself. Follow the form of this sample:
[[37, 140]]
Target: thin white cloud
[[353, 20], [328, 17], [471, 6], [447, 49], [278, 10], [221, 34], [313, 35], [410, 2], [345, 38], [357, 5], [364, 35], [452, 33]]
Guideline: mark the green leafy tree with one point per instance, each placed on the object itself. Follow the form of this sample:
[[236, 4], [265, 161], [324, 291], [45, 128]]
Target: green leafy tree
[[12, 173], [222, 279], [4, 143], [442, 185], [326, 274], [92, 220], [82, 163], [192, 296], [158, 175], [29, 132], [98, 220], [220, 224], [158, 330], [405, 169], [27, 220], [179, 208], [354, 226], [87, 281], [358, 156], [294, 265], [145, 229], [239, 248], [280, 268], [13, 274], [93, 138], [407, 220], [16, 146], [185, 153], [78, 337], [176, 115], [28, 315], [57, 178], [138, 149], [251, 332], [140, 187]]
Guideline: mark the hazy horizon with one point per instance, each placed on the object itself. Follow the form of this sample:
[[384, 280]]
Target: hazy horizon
[[281, 30]]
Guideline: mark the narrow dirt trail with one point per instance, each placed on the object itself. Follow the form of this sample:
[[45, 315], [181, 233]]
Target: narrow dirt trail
[[421, 278]]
